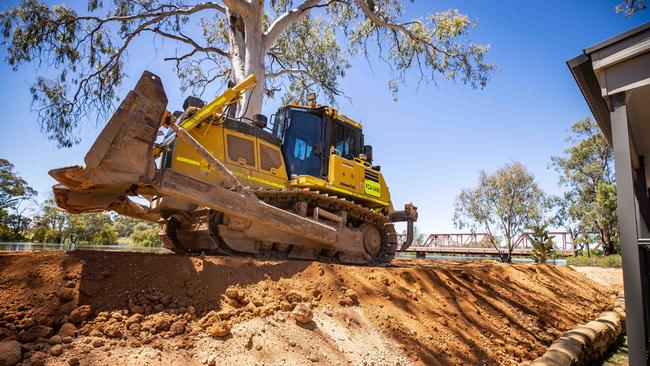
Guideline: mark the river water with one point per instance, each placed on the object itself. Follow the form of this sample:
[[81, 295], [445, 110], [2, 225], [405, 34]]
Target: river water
[[33, 247]]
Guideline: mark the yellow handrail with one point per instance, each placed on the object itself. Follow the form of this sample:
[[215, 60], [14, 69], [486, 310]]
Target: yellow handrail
[[217, 105]]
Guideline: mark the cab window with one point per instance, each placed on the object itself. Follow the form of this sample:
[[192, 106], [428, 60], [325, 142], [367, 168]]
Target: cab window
[[278, 126], [270, 158], [346, 140], [303, 133], [241, 150]]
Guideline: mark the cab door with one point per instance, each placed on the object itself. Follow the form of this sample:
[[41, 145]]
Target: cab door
[[303, 143]]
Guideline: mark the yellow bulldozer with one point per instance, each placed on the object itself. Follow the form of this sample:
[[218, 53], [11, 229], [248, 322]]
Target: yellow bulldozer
[[304, 187]]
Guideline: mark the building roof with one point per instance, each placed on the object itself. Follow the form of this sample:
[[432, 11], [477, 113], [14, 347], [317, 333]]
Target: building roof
[[618, 38], [582, 69]]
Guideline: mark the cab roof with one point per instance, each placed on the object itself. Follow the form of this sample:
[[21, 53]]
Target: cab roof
[[332, 112]]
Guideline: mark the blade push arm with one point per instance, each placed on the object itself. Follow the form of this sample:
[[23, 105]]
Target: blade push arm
[[214, 108]]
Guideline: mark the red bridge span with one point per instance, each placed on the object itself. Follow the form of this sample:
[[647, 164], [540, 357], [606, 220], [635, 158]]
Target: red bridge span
[[479, 244]]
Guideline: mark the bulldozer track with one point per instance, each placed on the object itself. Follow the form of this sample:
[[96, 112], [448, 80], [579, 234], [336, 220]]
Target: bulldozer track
[[207, 221], [322, 200]]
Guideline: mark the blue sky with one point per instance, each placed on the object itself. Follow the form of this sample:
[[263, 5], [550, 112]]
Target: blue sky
[[435, 139]]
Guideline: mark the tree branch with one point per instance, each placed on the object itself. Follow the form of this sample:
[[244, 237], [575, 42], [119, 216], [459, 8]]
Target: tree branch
[[395, 26], [272, 75], [185, 39], [284, 21], [316, 80], [115, 57], [240, 7], [181, 58], [158, 12]]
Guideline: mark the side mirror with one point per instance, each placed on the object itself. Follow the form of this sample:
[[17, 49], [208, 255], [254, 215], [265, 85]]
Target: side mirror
[[367, 151]]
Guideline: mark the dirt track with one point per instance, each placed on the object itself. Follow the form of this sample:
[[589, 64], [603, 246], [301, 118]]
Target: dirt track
[[413, 312]]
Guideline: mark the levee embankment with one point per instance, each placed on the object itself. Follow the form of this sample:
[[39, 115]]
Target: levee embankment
[[61, 308]]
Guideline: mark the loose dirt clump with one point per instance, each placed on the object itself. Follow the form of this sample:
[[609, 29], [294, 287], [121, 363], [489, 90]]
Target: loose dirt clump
[[303, 314], [82, 307]]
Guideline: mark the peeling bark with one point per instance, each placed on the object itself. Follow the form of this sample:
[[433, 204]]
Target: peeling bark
[[247, 54], [237, 35], [254, 63]]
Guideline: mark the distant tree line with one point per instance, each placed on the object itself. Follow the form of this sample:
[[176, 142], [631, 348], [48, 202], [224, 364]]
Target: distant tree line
[[55, 226], [509, 202], [23, 219], [16, 201]]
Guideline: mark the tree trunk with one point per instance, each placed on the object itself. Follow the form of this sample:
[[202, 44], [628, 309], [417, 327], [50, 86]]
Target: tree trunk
[[502, 255], [236, 36], [253, 101], [608, 245], [247, 56], [508, 256]]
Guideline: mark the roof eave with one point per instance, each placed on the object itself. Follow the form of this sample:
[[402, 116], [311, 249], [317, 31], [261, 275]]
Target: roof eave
[[583, 73]]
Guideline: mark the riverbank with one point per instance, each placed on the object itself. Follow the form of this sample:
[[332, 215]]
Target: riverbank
[[135, 308]]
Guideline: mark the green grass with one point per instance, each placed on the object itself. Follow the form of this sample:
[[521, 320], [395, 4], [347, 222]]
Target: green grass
[[609, 261]]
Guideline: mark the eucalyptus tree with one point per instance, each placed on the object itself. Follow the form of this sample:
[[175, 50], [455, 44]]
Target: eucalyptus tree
[[503, 204], [587, 170], [630, 7], [13, 188], [564, 217], [16, 200], [292, 47]]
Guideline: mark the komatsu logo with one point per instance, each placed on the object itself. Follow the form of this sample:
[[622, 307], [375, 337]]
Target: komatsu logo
[[372, 188]]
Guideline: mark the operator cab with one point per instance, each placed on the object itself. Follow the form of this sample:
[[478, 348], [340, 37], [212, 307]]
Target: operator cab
[[309, 134]]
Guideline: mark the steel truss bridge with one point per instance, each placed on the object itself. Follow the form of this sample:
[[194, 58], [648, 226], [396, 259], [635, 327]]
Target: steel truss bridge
[[479, 244]]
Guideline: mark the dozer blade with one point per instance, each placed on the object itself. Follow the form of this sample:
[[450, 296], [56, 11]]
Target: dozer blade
[[120, 157], [219, 218]]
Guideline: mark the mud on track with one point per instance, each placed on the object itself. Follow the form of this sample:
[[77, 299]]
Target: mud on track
[[131, 308]]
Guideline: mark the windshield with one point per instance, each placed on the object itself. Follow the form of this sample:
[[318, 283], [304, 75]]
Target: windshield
[[301, 137]]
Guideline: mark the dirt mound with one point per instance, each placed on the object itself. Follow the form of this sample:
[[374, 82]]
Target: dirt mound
[[104, 308]]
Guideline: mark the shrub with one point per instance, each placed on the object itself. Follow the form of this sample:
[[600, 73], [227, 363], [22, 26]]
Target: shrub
[[5, 233], [43, 234], [146, 238], [606, 261], [107, 235], [543, 247]]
